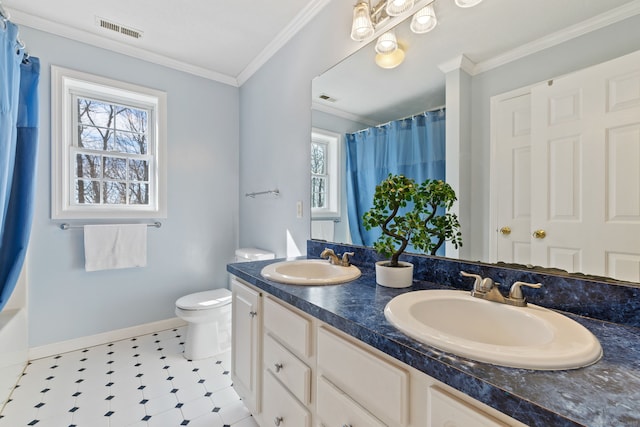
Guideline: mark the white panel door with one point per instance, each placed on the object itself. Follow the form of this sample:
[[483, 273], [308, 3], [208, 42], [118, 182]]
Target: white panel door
[[512, 177], [586, 170]]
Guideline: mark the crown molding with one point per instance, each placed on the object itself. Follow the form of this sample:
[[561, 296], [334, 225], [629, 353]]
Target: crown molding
[[343, 114], [460, 62], [607, 18], [82, 36], [300, 20]]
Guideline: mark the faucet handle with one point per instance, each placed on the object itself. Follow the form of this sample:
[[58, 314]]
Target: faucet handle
[[345, 258], [516, 289], [477, 284]]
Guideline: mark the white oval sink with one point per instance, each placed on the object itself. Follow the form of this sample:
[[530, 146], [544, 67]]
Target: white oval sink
[[529, 337], [309, 272]]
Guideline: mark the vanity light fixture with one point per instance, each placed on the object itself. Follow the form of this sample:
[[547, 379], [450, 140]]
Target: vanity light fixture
[[367, 19]]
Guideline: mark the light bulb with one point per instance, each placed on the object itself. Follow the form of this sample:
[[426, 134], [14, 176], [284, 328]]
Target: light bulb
[[468, 3], [424, 20], [386, 43], [397, 7], [362, 27]]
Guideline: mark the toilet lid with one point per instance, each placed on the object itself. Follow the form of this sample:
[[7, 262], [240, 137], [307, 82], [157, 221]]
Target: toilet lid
[[204, 300]]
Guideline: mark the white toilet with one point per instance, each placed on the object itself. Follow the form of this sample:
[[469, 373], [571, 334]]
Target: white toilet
[[208, 314]]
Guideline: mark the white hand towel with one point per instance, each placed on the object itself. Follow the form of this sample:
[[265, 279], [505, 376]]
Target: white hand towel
[[115, 246]]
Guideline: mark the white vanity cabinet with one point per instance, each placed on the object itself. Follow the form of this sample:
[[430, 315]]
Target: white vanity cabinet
[[308, 374], [246, 343]]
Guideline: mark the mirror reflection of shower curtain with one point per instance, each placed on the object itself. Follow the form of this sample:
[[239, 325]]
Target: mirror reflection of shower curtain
[[19, 77], [413, 147]]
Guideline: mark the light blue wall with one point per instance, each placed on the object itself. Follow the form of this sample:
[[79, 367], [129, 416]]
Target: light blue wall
[[275, 112], [189, 253]]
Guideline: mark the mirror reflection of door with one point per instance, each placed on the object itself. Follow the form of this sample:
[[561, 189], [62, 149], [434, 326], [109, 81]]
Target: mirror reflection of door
[[584, 139]]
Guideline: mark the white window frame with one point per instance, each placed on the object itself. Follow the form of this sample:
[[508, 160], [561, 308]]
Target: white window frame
[[333, 143], [66, 86]]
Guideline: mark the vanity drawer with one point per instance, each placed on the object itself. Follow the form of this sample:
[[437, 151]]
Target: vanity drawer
[[289, 327], [334, 408], [446, 410], [379, 386], [290, 370], [280, 407]]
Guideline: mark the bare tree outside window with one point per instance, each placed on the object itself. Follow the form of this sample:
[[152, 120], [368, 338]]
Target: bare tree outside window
[[112, 160], [319, 175]]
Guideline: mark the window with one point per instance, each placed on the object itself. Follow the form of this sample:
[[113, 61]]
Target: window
[[319, 174], [325, 176], [108, 154]]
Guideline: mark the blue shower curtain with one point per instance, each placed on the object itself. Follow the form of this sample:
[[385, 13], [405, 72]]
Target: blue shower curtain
[[413, 147], [19, 77]]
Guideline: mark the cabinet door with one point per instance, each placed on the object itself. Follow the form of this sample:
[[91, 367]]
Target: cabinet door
[[246, 344]]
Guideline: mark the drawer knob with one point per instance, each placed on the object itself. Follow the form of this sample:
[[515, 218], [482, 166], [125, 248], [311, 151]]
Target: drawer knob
[[346, 425], [278, 367], [278, 420], [253, 313]]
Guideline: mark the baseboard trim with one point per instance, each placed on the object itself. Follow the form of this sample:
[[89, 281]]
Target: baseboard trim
[[105, 337]]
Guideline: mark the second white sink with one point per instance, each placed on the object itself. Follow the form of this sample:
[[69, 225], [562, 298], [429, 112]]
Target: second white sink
[[530, 337], [310, 272]]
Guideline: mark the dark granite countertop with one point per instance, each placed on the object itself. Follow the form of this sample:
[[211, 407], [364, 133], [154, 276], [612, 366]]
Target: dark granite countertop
[[605, 394]]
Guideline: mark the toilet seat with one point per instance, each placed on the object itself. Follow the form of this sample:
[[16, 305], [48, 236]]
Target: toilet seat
[[205, 300]]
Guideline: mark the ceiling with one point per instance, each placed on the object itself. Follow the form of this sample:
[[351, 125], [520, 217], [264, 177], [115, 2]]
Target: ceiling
[[228, 41], [221, 40]]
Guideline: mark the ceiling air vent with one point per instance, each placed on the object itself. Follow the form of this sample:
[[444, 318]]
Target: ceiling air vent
[[110, 25], [327, 98]]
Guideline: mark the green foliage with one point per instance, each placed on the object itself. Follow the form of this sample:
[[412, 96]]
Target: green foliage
[[420, 226]]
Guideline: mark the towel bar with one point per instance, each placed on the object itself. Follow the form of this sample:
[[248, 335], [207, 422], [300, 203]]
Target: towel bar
[[66, 226]]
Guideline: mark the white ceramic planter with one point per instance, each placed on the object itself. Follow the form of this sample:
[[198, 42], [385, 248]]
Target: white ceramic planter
[[394, 277]]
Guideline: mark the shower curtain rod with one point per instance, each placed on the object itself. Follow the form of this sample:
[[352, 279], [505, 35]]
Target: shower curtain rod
[[440, 108], [66, 226]]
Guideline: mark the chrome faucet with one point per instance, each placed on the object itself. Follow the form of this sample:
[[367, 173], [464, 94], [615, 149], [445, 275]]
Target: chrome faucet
[[334, 259], [486, 288]]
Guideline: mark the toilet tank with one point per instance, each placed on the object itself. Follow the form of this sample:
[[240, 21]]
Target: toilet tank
[[253, 254]]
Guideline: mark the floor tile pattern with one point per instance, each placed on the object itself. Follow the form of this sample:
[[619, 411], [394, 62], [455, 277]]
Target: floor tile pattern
[[141, 382]]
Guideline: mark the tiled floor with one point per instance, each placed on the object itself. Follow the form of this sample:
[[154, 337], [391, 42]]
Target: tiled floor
[[141, 382]]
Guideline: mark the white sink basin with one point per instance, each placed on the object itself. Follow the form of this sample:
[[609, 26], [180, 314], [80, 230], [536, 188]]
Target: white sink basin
[[309, 272], [529, 337]]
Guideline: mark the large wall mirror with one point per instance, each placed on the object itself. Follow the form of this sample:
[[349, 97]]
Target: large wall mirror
[[502, 45]]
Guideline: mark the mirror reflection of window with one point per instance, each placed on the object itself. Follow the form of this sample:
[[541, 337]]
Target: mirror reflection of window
[[325, 174], [319, 176]]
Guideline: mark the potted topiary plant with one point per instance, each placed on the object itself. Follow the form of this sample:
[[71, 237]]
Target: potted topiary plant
[[407, 213]]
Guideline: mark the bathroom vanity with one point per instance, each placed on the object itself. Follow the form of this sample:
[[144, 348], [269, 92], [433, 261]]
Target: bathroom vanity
[[326, 356]]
